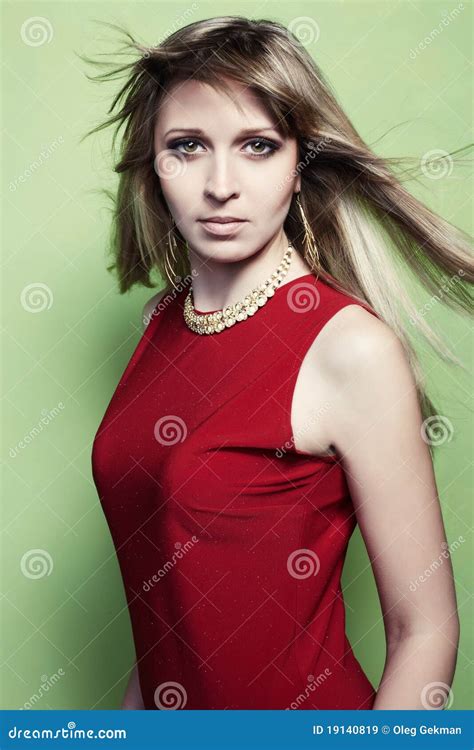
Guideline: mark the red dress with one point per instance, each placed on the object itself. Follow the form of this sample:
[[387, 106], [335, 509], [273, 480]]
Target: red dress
[[230, 541]]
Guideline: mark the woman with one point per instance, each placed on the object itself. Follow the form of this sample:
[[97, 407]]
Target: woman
[[274, 399]]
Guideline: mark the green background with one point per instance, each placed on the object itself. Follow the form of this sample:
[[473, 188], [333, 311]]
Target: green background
[[74, 622]]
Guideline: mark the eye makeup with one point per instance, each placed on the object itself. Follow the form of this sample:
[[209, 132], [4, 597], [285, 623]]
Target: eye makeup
[[266, 142]]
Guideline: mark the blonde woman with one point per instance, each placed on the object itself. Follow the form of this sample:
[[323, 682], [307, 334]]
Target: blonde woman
[[274, 400]]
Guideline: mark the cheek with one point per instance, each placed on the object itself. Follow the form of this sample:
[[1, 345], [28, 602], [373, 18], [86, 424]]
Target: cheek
[[274, 179], [179, 193], [279, 186], [175, 181]]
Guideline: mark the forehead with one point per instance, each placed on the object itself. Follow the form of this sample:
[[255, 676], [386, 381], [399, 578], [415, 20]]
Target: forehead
[[197, 104]]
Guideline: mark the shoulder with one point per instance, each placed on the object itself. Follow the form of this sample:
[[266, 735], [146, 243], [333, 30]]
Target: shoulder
[[351, 336], [363, 358], [368, 385], [151, 304]]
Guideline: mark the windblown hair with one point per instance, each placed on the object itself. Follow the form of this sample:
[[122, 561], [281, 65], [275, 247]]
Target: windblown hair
[[369, 229]]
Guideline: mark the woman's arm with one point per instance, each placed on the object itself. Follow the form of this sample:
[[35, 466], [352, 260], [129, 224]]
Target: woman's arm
[[377, 427], [132, 699]]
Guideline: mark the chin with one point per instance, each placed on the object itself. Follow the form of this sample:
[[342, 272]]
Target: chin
[[227, 254]]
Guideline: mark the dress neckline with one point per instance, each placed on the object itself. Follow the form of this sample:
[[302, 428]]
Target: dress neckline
[[285, 283]]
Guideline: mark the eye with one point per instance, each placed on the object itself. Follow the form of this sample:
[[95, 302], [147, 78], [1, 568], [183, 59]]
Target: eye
[[184, 142], [190, 145], [263, 142]]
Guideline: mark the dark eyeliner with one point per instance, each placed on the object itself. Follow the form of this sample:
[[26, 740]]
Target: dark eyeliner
[[274, 147], [265, 141]]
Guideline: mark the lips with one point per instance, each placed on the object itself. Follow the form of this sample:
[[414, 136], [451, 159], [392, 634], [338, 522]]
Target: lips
[[222, 219], [222, 225]]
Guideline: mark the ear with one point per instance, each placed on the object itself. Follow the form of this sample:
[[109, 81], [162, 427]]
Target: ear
[[297, 185]]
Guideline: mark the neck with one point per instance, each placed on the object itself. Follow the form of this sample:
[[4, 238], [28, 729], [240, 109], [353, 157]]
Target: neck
[[216, 285]]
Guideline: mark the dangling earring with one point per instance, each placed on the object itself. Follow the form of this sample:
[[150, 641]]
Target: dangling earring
[[311, 251], [171, 265]]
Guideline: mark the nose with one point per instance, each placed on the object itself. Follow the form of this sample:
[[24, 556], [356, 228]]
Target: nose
[[221, 181]]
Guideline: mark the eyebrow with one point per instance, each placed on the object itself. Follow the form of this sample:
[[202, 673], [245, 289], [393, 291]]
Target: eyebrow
[[198, 131]]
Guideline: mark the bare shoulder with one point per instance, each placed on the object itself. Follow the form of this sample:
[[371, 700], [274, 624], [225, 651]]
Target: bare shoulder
[[359, 368], [354, 339], [363, 364], [151, 304]]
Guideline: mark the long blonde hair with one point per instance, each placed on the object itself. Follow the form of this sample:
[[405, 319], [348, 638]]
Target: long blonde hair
[[368, 228]]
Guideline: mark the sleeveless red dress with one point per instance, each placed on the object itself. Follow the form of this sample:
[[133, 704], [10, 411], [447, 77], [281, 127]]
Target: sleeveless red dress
[[230, 541]]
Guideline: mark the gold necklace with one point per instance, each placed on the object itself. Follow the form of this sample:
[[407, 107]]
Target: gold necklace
[[219, 320]]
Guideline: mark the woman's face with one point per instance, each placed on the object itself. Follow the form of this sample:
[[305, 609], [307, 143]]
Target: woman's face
[[208, 167]]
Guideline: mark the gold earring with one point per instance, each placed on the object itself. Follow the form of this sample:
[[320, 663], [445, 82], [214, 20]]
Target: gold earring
[[171, 265], [311, 250]]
